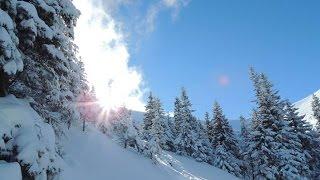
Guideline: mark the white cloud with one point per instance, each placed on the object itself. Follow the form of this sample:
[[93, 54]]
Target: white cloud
[[173, 5], [103, 48], [104, 51]]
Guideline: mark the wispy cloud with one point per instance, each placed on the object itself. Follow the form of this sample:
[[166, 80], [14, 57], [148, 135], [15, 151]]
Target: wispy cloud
[[155, 9]]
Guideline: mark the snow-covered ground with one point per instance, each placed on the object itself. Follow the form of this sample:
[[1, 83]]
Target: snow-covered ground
[[91, 155], [304, 108], [88, 155], [10, 171]]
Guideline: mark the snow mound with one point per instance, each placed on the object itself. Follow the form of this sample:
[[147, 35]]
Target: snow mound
[[10, 171], [26, 139], [92, 155], [305, 108]]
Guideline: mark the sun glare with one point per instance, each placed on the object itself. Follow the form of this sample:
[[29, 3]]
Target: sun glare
[[105, 54]]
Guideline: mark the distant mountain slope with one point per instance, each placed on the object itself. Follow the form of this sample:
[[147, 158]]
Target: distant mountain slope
[[305, 108], [91, 155]]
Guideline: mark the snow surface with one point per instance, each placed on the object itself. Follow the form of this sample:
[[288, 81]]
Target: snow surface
[[305, 108], [31, 138], [10, 171], [92, 155], [87, 155]]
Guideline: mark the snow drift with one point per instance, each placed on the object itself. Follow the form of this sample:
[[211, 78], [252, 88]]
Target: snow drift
[[26, 139]]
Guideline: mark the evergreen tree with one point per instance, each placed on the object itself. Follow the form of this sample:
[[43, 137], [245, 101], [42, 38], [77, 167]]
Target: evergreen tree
[[88, 107], [316, 110], [157, 132], [119, 126], [266, 132], [167, 142], [244, 132], [149, 115], [52, 76], [10, 56], [209, 124], [186, 135], [292, 158], [203, 150], [177, 117], [244, 138], [226, 155]]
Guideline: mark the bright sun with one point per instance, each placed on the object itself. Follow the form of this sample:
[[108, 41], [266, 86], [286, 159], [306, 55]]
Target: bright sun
[[105, 55]]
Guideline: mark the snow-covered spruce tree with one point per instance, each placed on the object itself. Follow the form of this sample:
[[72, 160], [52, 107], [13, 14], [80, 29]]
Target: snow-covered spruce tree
[[267, 136], [244, 131], [292, 159], [186, 135], [243, 144], [177, 117], [226, 151], [119, 126], [148, 117], [316, 110], [10, 56], [52, 77], [208, 129], [167, 142], [307, 152], [88, 107], [203, 149], [157, 133]]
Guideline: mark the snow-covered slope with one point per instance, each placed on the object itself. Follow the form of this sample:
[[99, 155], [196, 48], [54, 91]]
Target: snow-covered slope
[[10, 171], [91, 155], [304, 108], [25, 138], [88, 155]]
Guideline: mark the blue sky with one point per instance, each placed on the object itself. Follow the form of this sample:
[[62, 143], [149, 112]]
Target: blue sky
[[213, 39]]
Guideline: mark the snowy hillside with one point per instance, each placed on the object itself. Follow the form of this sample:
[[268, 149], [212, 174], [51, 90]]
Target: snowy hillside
[[87, 155], [305, 108], [91, 155]]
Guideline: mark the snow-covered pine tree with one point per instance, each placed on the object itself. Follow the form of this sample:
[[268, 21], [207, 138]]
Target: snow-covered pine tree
[[316, 110], [208, 129], [305, 134], [149, 115], [119, 126], [177, 117], [226, 151], [156, 132], [265, 137], [52, 77], [89, 107], [203, 148], [293, 161], [167, 143], [244, 131], [10, 57], [186, 135], [243, 144]]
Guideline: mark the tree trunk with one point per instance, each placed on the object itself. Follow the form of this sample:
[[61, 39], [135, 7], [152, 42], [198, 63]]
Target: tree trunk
[[83, 125], [3, 83]]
